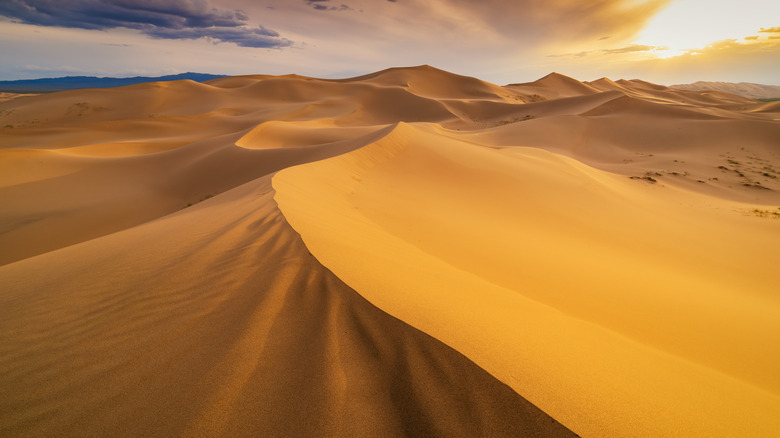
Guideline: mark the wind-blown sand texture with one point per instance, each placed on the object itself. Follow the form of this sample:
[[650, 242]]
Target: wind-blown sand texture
[[409, 252]]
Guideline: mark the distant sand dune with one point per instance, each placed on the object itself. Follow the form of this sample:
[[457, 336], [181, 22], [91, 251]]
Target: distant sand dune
[[556, 85], [598, 254], [745, 89]]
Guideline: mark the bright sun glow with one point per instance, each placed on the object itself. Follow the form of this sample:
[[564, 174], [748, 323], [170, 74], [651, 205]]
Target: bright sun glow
[[690, 24]]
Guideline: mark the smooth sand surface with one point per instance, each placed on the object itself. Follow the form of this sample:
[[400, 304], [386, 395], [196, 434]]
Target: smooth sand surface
[[545, 259]]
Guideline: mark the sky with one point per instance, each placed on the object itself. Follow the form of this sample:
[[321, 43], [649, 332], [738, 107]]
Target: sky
[[501, 41]]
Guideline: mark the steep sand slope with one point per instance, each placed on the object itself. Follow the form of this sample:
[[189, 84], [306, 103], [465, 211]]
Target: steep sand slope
[[216, 321]]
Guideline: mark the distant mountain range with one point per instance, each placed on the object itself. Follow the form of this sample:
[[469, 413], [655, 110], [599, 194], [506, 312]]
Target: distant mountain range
[[48, 85], [745, 89]]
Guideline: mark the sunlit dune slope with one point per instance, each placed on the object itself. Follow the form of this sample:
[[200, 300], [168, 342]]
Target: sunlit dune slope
[[608, 250], [575, 286], [649, 300]]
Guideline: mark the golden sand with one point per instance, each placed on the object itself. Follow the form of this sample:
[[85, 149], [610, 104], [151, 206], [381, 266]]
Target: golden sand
[[600, 254]]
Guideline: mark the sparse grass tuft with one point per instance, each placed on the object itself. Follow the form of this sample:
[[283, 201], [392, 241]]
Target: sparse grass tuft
[[190, 204], [514, 120], [765, 213]]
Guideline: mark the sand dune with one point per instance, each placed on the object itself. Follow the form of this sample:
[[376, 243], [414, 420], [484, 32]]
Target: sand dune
[[745, 89], [217, 322], [9, 96], [545, 287], [549, 258], [556, 85]]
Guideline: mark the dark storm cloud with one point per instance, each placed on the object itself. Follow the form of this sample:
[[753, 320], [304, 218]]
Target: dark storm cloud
[[243, 36], [170, 19]]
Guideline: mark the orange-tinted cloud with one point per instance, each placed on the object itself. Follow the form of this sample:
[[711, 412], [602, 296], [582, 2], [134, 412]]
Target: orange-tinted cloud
[[727, 60], [564, 19], [634, 48], [437, 22]]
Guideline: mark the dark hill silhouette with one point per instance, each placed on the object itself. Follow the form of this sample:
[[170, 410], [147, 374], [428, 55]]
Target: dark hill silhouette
[[48, 85]]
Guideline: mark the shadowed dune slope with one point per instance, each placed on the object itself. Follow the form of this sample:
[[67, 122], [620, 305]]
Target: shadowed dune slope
[[216, 321]]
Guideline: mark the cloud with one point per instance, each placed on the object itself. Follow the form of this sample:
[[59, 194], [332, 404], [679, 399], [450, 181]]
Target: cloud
[[632, 49], [170, 19], [258, 37], [516, 24], [635, 48], [770, 30], [730, 60], [562, 20], [322, 5]]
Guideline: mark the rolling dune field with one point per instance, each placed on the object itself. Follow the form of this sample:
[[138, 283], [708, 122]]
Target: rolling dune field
[[405, 253]]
